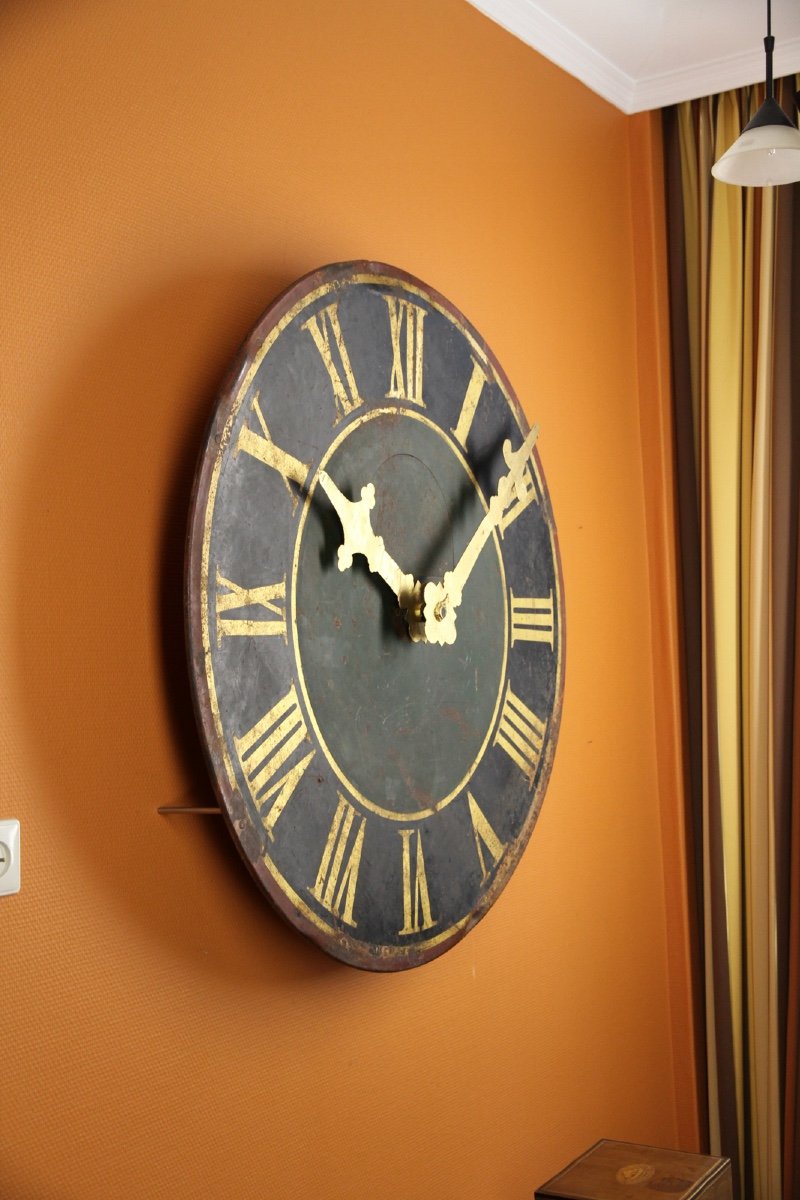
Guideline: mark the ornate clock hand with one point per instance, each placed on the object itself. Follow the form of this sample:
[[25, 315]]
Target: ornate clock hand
[[441, 600], [359, 538]]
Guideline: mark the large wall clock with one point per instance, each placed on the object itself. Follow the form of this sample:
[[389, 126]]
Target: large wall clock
[[375, 615]]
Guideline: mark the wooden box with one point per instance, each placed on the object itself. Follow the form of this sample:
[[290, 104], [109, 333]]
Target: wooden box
[[622, 1171]]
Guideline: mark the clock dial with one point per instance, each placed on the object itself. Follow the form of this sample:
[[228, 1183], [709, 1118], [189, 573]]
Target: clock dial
[[375, 614]]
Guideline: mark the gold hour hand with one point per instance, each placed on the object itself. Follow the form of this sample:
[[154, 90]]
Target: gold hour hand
[[441, 600], [360, 538]]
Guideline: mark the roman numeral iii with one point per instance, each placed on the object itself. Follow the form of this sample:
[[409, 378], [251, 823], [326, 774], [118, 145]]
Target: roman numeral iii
[[520, 733], [405, 327], [416, 900], [265, 749], [340, 372], [532, 619], [230, 597], [335, 885]]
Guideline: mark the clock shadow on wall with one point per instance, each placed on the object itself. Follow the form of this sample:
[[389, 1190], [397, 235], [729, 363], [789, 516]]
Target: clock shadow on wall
[[101, 660], [99, 657]]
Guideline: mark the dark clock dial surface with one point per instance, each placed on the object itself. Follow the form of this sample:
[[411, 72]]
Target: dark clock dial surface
[[381, 789]]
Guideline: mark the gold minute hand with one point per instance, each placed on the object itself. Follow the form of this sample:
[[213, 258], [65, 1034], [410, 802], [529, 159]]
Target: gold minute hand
[[359, 538], [441, 600]]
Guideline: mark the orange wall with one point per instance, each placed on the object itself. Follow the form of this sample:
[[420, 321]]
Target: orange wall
[[167, 168]]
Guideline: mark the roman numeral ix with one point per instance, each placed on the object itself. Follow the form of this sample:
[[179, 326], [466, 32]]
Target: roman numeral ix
[[231, 597]]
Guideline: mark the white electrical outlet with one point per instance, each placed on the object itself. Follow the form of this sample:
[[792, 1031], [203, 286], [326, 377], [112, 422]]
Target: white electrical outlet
[[9, 857]]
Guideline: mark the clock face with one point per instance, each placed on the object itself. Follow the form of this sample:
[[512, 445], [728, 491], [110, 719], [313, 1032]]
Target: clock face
[[376, 618]]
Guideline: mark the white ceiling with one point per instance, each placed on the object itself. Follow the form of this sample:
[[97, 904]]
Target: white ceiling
[[642, 54]]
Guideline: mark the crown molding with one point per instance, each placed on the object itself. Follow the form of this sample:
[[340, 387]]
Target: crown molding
[[527, 21], [713, 76]]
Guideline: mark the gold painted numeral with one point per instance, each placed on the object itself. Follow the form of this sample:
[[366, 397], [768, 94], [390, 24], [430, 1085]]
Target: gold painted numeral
[[320, 326], [416, 900], [524, 494], [406, 377], [520, 733], [270, 596], [265, 749], [471, 398], [262, 447], [335, 886], [485, 836], [532, 619]]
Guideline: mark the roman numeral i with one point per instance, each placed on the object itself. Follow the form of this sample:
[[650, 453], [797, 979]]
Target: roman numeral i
[[470, 404]]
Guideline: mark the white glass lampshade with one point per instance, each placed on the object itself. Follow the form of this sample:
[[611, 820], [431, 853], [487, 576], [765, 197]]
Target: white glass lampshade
[[767, 152]]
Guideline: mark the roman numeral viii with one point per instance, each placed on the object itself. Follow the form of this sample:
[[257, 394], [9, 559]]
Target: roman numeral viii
[[520, 733], [335, 885], [321, 326], [263, 752], [405, 327], [416, 900], [270, 596]]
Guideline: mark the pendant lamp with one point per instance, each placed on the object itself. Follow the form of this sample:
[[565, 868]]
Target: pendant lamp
[[767, 151]]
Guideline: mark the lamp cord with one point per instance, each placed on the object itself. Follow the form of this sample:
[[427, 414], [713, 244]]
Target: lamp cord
[[769, 45]]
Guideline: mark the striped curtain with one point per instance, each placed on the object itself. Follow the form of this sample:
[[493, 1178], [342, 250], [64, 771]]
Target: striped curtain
[[735, 302]]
